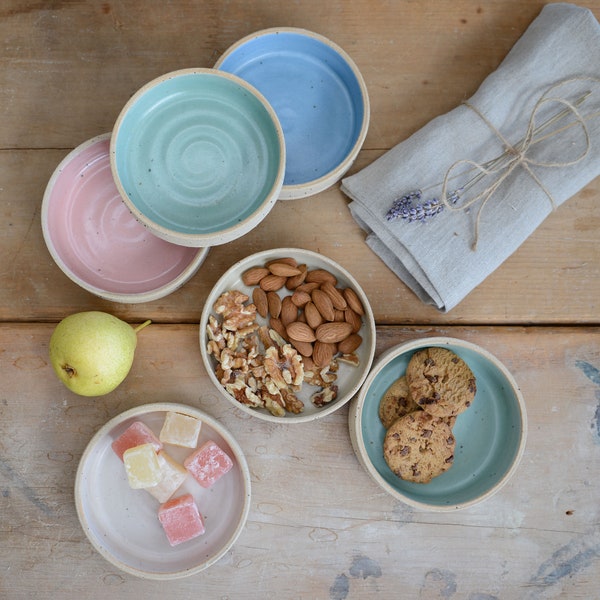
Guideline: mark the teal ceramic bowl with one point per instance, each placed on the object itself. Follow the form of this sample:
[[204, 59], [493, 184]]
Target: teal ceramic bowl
[[198, 156], [490, 434]]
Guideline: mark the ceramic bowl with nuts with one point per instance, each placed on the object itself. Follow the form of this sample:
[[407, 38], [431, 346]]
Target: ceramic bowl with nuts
[[287, 334]]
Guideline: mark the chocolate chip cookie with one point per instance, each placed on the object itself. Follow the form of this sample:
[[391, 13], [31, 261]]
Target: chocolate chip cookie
[[396, 402], [440, 382], [418, 447]]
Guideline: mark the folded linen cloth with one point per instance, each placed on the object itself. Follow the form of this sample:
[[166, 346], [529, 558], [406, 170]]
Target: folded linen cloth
[[559, 56]]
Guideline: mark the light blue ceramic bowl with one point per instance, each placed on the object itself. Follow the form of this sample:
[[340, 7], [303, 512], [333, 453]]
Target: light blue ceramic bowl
[[319, 96], [490, 434], [198, 156]]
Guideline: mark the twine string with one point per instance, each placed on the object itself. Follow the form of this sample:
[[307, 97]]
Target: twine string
[[517, 155]]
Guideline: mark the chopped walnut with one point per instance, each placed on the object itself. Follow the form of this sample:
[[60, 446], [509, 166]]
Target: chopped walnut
[[322, 377], [292, 403], [284, 366], [242, 393], [325, 395], [274, 403], [237, 315], [257, 366], [350, 359]]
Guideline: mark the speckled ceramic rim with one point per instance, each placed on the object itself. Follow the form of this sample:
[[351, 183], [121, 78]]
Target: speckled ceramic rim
[[140, 411], [126, 298], [312, 259], [356, 425], [309, 188], [240, 226]]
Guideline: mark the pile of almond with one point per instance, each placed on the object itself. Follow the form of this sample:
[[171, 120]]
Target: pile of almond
[[316, 316]]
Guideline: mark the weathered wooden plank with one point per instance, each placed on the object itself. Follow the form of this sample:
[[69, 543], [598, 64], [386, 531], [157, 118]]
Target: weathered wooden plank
[[553, 278], [318, 526], [67, 68]]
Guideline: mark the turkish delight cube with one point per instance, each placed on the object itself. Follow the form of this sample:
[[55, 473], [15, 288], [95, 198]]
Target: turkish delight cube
[[136, 434], [181, 519], [180, 430], [142, 466], [173, 475], [208, 464]]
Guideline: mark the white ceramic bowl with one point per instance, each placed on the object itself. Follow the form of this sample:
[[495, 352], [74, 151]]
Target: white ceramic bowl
[[96, 241], [490, 434], [122, 523], [319, 96], [198, 156], [349, 377]]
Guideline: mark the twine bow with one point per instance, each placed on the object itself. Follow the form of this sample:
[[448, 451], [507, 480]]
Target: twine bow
[[517, 155]]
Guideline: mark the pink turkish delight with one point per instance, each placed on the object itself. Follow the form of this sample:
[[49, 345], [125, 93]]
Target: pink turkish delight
[[181, 519], [208, 464], [136, 434]]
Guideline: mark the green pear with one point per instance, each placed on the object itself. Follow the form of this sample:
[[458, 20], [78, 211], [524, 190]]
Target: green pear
[[92, 352]]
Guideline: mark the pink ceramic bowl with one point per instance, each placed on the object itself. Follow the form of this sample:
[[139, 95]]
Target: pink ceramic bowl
[[96, 241]]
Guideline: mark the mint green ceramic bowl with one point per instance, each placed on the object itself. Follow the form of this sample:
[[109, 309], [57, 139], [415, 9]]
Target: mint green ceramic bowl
[[490, 435], [198, 156]]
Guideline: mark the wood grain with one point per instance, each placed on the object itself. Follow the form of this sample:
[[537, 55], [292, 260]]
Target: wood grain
[[318, 526]]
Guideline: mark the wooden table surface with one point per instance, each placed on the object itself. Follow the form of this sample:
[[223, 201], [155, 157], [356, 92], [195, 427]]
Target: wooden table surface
[[318, 526]]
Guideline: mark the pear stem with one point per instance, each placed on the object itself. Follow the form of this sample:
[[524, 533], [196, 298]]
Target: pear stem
[[140, 327]]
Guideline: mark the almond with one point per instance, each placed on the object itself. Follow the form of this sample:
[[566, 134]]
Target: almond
[[309, 363], [300, 332], [324, 304], [283, 269], [339, 315], [313, 316], [278, 327], [320, 276], [353, 301], [308, 287], [274, 302], [336, 296], [289, 311], [350, 344], [304, 348], [259, 297], [253, 275], [300, 298], [333, 332], [323, 353], [354, 319], [288, 260], [272, 283], [293, 282]]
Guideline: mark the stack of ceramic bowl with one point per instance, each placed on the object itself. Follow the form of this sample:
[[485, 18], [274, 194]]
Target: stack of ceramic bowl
[[198, 157]]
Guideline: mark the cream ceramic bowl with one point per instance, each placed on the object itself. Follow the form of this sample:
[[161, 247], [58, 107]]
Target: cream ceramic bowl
[[349, 377], [96, 241], [198, 156], [490, 434], [319, 96], [122, 524]]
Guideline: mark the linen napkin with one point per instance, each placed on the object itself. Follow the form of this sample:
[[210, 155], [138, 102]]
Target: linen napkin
[[558, 56]]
